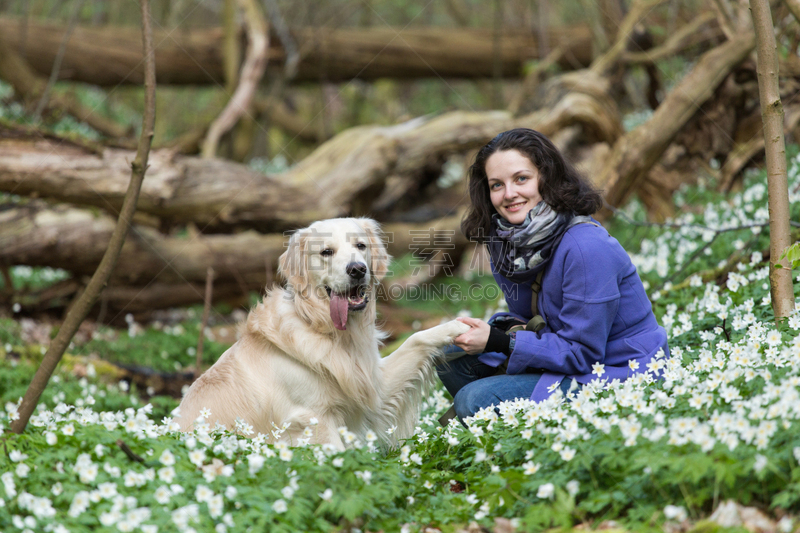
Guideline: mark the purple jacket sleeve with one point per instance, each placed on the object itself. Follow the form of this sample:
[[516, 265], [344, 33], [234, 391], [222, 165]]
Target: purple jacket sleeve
[[590, 303]]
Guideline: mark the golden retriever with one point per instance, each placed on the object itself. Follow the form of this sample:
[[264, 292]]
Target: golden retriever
[[308, 357]]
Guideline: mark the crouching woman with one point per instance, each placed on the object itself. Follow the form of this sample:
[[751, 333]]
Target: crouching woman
[[577, 308]]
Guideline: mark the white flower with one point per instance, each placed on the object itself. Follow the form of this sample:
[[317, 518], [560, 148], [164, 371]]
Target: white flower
[[573, 487], [545, 491], [197, 456], [567, 453], [287, 492], [530, 467], [203, 493], [68, 430], [326, 495], [674, 512], [785, 525], [633, 364], [255, 462], [162, 495], [280, 506], [167, 459], [166, 474], [338, 462], [598, 369], [760, 463], [17, 456]]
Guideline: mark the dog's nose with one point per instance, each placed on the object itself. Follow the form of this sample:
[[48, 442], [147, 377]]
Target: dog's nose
[[356, 270]]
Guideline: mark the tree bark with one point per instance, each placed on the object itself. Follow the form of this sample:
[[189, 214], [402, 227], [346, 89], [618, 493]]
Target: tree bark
[[637, 151], [780, 279], [84, 303], [342, 177], [252, 70], [109, 56], [38, 234]]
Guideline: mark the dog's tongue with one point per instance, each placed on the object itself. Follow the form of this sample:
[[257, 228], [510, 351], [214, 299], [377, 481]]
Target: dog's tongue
[[339, 311]]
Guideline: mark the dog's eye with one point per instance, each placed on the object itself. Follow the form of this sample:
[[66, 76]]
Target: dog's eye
[[361, 246], [327, 252]]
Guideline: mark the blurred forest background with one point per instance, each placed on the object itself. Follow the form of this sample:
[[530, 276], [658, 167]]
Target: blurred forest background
[[369, 107]]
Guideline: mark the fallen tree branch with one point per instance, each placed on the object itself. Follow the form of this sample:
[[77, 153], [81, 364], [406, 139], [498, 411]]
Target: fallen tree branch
[[37, 115], [30, 85], [637, 151], [109, 56], [87, 299], [742, 153], [685, 37], [350, 169], [252, 70]]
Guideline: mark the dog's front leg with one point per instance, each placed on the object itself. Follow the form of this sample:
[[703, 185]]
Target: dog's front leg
[[404, 372]]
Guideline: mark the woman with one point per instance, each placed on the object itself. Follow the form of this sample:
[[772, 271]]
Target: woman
[[532, 210]]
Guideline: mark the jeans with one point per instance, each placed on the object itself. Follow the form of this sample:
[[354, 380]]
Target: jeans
[[474, 386]]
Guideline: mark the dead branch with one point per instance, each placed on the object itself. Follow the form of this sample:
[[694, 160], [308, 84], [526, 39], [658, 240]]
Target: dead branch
[[204, 322], [252, 70], [743, 152], [687, 36], [37, 115], [634, 154]]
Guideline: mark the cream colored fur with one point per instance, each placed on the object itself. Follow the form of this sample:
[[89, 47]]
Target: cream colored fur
[[291, 365]]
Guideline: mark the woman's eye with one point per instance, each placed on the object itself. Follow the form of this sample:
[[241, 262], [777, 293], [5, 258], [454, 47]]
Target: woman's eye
[[361, 246], [326, 252], [494, 186], [522, 179]]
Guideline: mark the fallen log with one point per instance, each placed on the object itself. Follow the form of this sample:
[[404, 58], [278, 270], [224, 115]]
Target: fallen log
[[344, 176], [109, 56], [156, 271]]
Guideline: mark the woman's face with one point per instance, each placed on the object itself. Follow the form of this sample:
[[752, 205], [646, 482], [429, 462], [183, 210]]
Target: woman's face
[[513, 184]]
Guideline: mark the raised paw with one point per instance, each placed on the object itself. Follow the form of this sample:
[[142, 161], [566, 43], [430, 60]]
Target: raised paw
[[441, 336]]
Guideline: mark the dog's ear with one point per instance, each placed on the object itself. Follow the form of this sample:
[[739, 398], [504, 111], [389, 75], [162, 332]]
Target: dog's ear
[[292, 263], [380, 257]]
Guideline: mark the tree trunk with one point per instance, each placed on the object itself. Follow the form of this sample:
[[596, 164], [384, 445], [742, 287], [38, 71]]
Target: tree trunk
[[109, 56], [780, 279], [86, 300], [344, 176]]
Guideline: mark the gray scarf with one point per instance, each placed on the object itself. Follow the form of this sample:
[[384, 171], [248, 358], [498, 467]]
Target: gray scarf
[[520, 251]]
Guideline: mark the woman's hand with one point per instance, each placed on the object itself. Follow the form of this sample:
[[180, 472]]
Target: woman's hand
[[474, 341]]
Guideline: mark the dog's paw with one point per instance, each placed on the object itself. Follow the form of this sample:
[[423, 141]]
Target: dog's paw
[[444, 334]]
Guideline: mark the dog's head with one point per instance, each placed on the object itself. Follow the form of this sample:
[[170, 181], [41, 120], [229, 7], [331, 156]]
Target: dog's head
[[337, 262]]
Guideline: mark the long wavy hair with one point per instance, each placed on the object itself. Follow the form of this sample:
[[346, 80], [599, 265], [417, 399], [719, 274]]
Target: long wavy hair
[[560, 185]]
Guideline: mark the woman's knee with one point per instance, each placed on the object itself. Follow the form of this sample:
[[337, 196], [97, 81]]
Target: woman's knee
[[472, 398]]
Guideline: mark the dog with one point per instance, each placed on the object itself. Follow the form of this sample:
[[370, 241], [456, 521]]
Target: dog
[[307, 362]]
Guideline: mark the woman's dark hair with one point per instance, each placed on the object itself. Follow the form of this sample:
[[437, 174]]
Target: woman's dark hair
[[560, 185]]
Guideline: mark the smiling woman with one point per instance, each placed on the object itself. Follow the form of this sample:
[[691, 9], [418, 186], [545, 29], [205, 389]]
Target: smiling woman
[[577, 308]]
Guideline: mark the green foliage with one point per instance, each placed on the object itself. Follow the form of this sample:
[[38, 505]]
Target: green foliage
[[792, 256], [722, 423], [163, 348]]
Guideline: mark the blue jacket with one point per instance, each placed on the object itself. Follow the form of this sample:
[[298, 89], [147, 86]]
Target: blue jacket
[[596, 311]]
